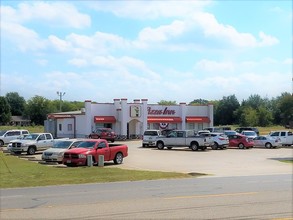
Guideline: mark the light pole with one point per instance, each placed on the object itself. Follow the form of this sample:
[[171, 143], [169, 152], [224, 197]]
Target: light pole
[[60, 94]]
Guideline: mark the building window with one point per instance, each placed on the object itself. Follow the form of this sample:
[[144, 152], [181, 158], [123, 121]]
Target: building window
[[69, 127], [60, 127]]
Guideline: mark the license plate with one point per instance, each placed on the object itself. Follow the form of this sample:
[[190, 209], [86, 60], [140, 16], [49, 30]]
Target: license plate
[[68, 161]]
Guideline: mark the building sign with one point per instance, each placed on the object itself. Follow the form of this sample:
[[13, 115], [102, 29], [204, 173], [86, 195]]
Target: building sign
[[164, 111], [135, 111]]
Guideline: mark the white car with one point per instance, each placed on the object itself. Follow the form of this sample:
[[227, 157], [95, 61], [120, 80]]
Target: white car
[[267, 142], [249, 134], [220, 141], [9, 135], [55, 153], [149, 137]]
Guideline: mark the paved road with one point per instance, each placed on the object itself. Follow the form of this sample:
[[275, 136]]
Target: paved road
[[255, 197]]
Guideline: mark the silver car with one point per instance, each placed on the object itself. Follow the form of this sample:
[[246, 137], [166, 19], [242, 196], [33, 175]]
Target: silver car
[[267, 142], [55, 153]]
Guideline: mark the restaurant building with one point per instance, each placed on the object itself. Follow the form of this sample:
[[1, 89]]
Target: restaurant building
[[128, 119]]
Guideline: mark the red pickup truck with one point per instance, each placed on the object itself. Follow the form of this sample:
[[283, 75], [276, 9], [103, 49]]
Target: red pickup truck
[[95, 147]]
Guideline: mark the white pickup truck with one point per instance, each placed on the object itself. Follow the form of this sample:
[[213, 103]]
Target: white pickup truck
[[286, 137], [182, 138], [32, 143]]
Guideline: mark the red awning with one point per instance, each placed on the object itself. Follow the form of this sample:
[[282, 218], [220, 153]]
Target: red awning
[[197, 119], [104, 119], [164, 119]]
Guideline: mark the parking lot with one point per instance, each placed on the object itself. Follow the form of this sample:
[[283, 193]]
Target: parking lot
[[229, 162]]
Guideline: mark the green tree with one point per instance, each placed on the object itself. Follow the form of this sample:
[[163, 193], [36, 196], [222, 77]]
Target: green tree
[[37, 109], [285, 106], [16, 102], [247, 116], [225, 110], [5, 114], [199, 102], [164, 102], [265, 116]]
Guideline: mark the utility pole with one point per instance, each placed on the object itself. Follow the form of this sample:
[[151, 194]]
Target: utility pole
[[60, 94]]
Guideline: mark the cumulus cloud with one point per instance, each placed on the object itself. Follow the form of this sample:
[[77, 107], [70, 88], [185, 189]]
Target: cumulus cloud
[[150, 9], [24, 38], [56, 13], [214, 66]]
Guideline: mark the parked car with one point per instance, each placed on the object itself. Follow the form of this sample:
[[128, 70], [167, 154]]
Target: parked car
[[9, 146], [267, 142], [8, 135], [239, 130], [103, 133], [150, 137], [55, 153], [249, 134], [182, 138], [221, 141], [32, 143], [230, 132], [240, 141], [95, 147], [286, 137]]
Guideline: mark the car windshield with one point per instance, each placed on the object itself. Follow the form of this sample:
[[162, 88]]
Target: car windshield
[[31, 137], [2, 133], [87, 144], [249, 133], [64, 144]]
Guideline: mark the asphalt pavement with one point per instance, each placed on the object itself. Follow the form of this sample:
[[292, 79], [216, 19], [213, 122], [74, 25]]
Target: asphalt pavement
[[228, 162]]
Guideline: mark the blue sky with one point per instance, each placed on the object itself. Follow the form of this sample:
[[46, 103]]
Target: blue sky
[[159, 50]]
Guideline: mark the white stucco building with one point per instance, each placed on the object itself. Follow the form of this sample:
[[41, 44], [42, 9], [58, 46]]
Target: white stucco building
[[128, 118]]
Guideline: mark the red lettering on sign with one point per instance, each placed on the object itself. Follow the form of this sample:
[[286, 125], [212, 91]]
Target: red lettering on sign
[[166, 111]]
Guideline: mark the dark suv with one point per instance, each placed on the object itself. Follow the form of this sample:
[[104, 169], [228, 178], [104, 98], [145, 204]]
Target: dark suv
[[239, 130], [103, 133]]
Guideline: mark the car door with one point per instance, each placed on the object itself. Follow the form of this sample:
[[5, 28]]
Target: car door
[[103, 149], [11, 135], [257, 141], [233, 140], [171, 139], [41, 142]]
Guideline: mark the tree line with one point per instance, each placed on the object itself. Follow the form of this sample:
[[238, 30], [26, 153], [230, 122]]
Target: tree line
[[254, 111]]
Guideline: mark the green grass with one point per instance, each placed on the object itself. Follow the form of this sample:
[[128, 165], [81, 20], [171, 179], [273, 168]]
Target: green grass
[[31, 129], [17, 172]]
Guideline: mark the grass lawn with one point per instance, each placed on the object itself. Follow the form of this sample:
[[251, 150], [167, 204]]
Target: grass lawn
[[17, 172]]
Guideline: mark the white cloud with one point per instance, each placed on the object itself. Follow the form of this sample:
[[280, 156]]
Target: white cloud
[[214, 66], [78, 62], [267, 40], [150, 9], [24, 38], [56, 13]]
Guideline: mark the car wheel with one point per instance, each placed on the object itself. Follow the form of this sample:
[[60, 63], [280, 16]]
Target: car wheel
[[118, 158], [194, 146], [215, 146], [1, 143], [31, 151], [241, 146], [160, 145], [268, 145]]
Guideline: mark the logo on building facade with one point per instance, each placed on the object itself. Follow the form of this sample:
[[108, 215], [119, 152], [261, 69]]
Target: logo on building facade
[[135, 111], [164, 111]]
